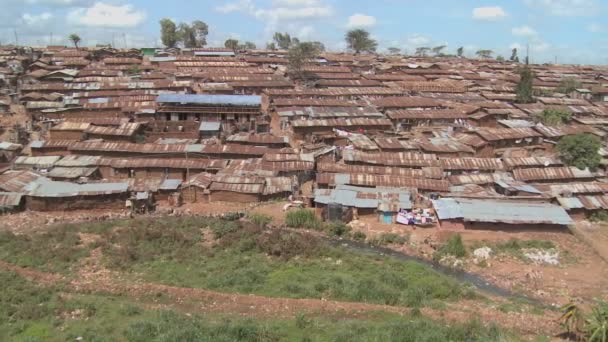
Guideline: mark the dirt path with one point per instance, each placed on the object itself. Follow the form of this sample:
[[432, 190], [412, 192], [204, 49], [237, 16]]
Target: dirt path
[[98, 279]]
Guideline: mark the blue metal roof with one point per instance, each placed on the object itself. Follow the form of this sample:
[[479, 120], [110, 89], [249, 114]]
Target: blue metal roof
[[235, 100], [487, 210], [213, 53], [209, 126], [347, 196], [170, 184]]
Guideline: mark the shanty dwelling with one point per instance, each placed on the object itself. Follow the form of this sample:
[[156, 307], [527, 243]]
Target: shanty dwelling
[[278, 188], [362, 202], [167, 189], [458, 166], [209, 129], [47, 195], [9, 151], [508, 187], [237, 189], [42, 164], [197, 188], [178, 169], [445, 147], [554, 174], [74, 173], [127, 132], [305, 128], [500, 138], [11, 202], [407, 120], [69, 131], [227, 109], [41, 148], [509, 216], [268, 140], [162, 129]]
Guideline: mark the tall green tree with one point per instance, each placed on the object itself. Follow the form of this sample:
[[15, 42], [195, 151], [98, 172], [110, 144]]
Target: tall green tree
[[232, 44], [484, 53], [514, 57], [555, 116], [283, 40], [168, 33], [320, 47], [359, 40], [248, 46], [193, 35], [271, 46], [299, 55], [438, 49], [394, 50], [524, 90], [422, 51], [460, 51], [75, 39], [580, 150], [500, 58], [568, 85]]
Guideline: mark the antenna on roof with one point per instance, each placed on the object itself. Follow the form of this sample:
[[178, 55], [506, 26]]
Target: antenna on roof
[[527, 53], [16, 37]]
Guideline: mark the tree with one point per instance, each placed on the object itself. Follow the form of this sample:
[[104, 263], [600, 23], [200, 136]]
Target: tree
[[580, 150], [232, 44], [514, 57], [168, 33], [394, 50], [359, 41], [422, 51], [500, 58], [320, 47], [283, 40], [568, 85], [75, 39], [484, 53], [247, 46], [524, 89], [460, 51], [193, 35], [299, 55], [555, 116], [271, 46], [437, 49]]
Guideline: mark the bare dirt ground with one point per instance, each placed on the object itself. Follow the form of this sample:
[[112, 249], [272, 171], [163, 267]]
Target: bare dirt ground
[[581, 275]]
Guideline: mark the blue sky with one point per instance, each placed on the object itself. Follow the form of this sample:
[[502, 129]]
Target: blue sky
[[574, 31]]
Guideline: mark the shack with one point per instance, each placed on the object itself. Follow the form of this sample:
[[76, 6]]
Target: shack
[[487, 214]]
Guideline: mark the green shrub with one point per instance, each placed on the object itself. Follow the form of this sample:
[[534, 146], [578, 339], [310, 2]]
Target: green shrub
[[599, 216], [453, 247], [303, 218], [337, 229], [260, 219], [390, 239], [287, 245], [359, 236]]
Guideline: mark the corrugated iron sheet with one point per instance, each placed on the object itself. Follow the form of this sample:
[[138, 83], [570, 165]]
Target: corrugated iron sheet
[[471, 164], [382, 181], [552, 173]]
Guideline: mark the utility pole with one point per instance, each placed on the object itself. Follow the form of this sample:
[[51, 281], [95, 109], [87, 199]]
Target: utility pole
[[16, 37], [124, 36], [51, 41]]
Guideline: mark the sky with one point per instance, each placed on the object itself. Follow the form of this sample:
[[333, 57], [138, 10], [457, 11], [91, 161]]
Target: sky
[[571, 31]]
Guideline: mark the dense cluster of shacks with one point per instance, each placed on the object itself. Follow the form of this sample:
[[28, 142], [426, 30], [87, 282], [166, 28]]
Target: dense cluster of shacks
[[354, 136]]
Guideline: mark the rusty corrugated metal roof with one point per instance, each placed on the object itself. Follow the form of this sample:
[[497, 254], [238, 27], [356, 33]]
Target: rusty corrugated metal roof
[[382, 181], [552, 173]]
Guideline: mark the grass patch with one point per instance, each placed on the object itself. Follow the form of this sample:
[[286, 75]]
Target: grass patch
[[32, 313], [272, 262], [260, 219], [390, 239], [303, 218], [453, 247], [54, 250], [516, 247]]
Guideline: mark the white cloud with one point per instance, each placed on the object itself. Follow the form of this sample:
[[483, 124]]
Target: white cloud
[[595, 28], [524, 31], [285, 13], [491, 13], [566, 8], [36, 19], [361, 20], [239, 6], [417, 39], [106, 15], [57, 2], [306, 32], [295, 3]]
